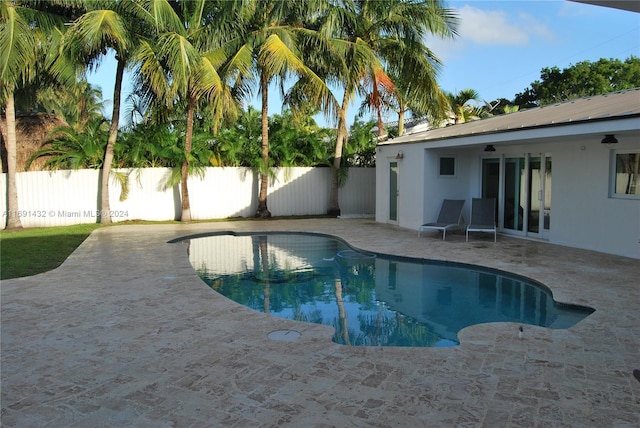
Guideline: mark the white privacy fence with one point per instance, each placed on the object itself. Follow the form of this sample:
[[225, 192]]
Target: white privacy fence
[[56, 198]]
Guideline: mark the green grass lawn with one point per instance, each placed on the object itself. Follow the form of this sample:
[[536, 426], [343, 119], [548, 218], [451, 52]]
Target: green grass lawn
[[25, 252]]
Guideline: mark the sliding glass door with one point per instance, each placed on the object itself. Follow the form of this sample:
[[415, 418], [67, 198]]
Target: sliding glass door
[[514, 180], [522, 186], [539, 194]]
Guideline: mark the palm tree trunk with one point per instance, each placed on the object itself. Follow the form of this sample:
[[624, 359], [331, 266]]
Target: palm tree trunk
[[334, 204], [377, 106], [184, 174], [105, 209], [263, 211], [13, 219], [264, 257], [342, 314], [401, 123]]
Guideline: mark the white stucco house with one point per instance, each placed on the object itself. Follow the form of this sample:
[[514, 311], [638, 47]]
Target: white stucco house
[[554, 175]]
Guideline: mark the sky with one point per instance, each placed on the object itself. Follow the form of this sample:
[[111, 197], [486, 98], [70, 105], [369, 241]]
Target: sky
[[501, 47]]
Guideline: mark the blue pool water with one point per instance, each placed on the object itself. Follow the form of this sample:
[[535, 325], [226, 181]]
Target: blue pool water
[[369, 299]]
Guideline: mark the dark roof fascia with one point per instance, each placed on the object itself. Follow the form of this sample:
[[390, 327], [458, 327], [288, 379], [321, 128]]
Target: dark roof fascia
[[514, 130]]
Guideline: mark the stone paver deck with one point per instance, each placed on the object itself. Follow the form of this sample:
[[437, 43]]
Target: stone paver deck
[[125, 334]]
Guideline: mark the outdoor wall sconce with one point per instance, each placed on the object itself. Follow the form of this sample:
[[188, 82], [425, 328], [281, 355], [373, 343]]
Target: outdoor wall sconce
[[489, 148], [609, 140], [400, 155]]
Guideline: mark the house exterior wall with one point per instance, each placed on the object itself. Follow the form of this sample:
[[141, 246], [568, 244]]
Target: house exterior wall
[[421, 189], [410, 184], [587, 217], [583, 214], [460, 186]]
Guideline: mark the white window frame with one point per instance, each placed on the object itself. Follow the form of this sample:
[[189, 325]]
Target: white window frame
[[613, 178]]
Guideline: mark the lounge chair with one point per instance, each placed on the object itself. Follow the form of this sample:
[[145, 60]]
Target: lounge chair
[[483, 217], [450, 218]]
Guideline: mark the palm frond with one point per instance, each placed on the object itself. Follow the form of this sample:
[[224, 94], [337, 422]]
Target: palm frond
[[17, 45], [278, 58], [95, 30], [121, 178], [158, 12]]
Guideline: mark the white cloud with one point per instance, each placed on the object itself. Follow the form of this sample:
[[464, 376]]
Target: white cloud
[[482, 28], [490, 27]]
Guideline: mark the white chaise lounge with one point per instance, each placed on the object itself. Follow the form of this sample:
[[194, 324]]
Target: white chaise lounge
[[450, 218]]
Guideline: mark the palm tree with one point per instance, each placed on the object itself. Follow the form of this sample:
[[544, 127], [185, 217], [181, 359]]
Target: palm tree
[[372, 33], [415, 89], [269, 34], [77, 104], [71, 148], [460, 108], [179, 68], [411, 65], [342, 58], [24, 33], [89, 38]]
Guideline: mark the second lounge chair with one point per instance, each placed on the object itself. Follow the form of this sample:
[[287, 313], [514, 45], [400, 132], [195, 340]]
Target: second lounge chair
[[483, 217]]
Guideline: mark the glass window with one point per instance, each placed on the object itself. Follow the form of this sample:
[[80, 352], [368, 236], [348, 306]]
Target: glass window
[[626, 175], [448, 166]]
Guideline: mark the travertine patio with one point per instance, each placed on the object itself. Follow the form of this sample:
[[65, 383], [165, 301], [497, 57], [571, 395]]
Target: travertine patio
[[125, 334]]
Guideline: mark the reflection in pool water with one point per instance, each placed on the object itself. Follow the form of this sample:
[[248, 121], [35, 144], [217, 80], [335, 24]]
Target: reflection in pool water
[[370, 300]]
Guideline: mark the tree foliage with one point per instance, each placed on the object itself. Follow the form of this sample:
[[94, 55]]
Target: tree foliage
[[195, 61], [461, 109], [29, 50], [298, 142], [71, 148], [360, 150], [580, 80]]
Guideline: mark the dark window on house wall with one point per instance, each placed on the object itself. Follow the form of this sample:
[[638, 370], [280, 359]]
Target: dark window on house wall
[[625, 180], [447, 166]]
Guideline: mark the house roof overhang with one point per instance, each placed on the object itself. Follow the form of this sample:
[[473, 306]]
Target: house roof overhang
[[630, 5], [616, 113]]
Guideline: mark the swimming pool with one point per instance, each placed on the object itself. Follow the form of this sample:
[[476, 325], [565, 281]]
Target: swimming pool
[[369, 299]]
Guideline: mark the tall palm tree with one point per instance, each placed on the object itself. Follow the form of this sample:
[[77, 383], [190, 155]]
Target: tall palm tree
[[179, 68], [414, 68], [270, 35], [24, 34], [415, 88], [345, 61], [377, 32], [106, 25]]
